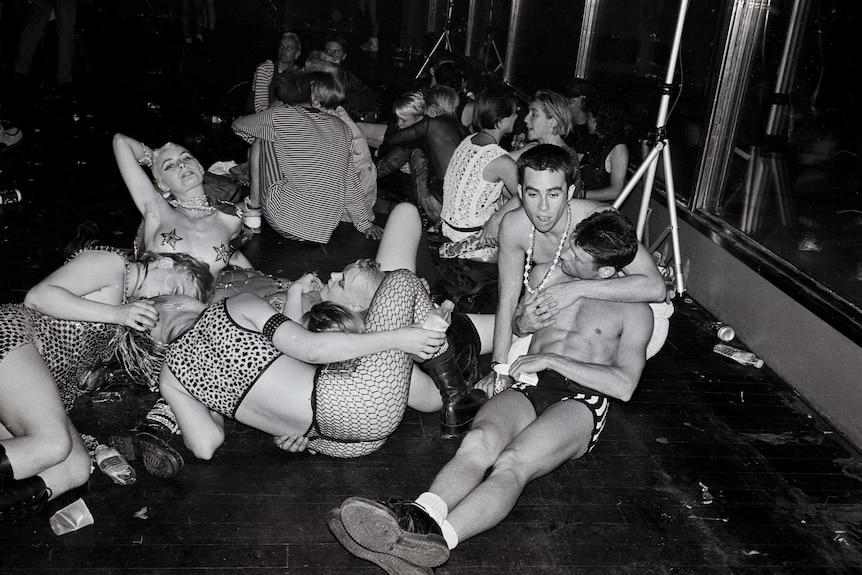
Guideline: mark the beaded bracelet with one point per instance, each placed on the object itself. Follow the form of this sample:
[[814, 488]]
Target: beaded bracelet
[[146, 158], [272, 324]]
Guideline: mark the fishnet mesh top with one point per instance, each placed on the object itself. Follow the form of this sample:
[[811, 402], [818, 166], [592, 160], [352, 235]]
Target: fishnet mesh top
[[69, 348], [468, 199]]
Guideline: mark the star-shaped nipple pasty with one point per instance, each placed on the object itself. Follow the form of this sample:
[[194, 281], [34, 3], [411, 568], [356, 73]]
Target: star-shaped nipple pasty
[[171, 238], [223, 253]]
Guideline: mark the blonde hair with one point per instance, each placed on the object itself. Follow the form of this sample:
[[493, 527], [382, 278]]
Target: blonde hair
[[442, 101], [326, 90], [409, 104], [555, 106]]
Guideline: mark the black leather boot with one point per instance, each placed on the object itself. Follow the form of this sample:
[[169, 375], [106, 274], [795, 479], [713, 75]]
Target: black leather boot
[[464, 338], [459, 403], [149, 442], [5, 466], [21, 497]]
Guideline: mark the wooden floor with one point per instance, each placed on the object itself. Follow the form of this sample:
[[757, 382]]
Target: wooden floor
[[711, 468]]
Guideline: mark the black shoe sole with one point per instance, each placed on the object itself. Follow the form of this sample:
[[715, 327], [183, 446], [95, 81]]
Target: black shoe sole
[[374, 527], [159, 459], [389, 563]]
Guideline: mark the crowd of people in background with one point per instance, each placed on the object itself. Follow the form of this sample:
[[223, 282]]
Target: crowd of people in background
[[522, 184]]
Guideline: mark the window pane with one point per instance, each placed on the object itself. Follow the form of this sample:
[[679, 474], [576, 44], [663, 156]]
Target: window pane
[[630, 51], [794, 179]]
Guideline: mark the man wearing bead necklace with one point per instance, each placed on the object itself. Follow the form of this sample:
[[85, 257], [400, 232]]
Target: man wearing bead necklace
[[595, 351], [531, 241]]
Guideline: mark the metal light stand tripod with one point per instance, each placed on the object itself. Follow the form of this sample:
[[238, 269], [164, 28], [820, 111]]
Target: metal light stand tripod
[[661, 148], [767, 164], [444, 37]]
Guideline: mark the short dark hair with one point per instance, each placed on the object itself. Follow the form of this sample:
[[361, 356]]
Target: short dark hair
[[548, 157], [493, 105], [292, 87], [608, 237]]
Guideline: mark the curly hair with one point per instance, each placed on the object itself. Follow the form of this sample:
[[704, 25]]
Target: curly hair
[[609, 114]]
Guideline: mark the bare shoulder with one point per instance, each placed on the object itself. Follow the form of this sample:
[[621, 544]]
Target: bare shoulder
[[515, 227]]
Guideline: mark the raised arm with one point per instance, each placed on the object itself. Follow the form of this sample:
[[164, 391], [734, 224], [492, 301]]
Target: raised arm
[[131, 156], [292, 339], [89, 288]]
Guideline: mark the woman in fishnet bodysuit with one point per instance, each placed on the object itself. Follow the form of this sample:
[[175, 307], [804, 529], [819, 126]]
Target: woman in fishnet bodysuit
[[243, 360]]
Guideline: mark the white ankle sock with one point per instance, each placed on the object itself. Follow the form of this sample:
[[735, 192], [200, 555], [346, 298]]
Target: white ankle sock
[[449, 535], [434, 506]]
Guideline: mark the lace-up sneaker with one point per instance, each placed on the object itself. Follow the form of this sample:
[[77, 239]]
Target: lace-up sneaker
[[398, 528], [389, 563]]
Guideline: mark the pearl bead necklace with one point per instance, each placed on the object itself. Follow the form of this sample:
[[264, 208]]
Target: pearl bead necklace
[[198, 203], [528, 265]]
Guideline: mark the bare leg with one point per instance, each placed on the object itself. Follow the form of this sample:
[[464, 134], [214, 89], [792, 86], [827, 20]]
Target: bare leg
[[36, 434], [560, 434], [423, 395], [400, 240]]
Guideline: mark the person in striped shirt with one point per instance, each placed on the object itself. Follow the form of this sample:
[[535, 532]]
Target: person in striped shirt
[[318, 182]]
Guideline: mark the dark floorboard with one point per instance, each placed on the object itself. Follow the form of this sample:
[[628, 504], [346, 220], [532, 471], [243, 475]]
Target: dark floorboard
[[712, 468]]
